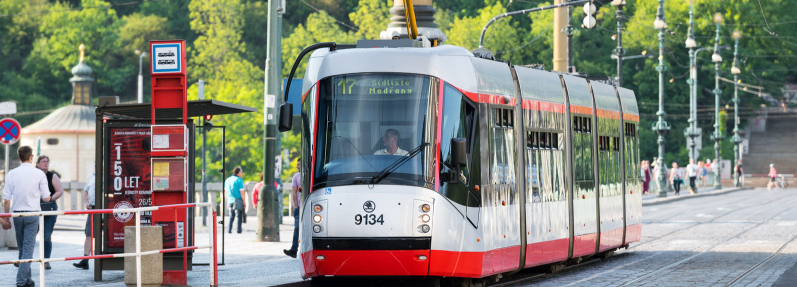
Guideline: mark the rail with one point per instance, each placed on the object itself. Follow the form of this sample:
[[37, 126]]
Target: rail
[[40, 237]]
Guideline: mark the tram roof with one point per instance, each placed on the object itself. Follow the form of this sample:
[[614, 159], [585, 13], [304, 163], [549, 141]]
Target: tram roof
[[451, 63], [195, 109]]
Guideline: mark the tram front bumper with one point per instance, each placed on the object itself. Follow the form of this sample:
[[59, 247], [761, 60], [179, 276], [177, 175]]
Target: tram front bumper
[[370, 257]]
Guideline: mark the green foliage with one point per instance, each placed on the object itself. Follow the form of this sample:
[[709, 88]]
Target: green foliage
[[227, 48], [218, 58], [371, 17], [320, 27]]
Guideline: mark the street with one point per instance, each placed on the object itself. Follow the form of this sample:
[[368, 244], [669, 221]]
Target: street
[[742, 238]]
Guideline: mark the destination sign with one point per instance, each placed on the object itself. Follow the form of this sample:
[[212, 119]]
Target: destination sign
[[166, 58], [376, 85]]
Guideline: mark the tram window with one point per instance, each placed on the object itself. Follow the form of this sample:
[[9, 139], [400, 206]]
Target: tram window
[[616, 144], [588, 124], [576, 125], [458, 116], [554, 141]]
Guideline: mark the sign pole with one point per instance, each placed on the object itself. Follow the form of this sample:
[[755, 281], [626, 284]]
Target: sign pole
[[267, 227]]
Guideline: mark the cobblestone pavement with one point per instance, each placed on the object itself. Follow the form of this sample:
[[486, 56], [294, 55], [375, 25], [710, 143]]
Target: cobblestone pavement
[[706, 240], [703, 241]]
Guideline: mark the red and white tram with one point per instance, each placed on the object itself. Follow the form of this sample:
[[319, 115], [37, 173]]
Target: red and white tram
[[433, 162]]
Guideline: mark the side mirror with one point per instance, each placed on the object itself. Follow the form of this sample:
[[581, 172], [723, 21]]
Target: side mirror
[[459, 156], [285, 117]]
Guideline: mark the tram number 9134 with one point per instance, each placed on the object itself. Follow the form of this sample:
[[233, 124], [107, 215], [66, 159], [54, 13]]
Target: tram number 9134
[[369, 219]]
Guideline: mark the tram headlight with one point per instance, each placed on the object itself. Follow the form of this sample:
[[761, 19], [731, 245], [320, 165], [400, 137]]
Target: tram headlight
[[317, 218], [425, 208], [317, 208], [424, 228], [317, 228], [425, 218]]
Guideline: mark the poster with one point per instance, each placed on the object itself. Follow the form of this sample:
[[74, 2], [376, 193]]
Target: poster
[[128, 179]]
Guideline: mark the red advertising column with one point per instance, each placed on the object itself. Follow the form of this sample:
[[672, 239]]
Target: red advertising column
[[170, 149]]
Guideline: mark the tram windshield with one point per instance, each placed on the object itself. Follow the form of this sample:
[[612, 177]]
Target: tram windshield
[[373, 128]]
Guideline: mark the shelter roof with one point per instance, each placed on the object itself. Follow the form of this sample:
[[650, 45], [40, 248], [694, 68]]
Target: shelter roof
[[195, 109]]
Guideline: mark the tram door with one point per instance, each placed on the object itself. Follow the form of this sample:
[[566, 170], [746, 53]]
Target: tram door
[[212, 139]]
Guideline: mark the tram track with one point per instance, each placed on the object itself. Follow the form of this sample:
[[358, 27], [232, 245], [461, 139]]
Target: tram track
[[654, 255], [762, 262], [697, 224], [670, 266]]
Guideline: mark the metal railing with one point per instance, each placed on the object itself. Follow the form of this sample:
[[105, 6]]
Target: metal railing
[[40, 237]]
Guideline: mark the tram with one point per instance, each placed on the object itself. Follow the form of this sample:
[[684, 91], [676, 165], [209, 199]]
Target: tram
[[433, 162]]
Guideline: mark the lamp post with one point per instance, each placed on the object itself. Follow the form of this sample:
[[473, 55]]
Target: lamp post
[[717, 59], [140, 76], [661, 126], [619, 50], [691, 131], [737, 151]]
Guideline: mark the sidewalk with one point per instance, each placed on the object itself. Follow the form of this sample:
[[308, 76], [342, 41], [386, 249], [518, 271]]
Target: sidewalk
[[654, 199], [246, 261]]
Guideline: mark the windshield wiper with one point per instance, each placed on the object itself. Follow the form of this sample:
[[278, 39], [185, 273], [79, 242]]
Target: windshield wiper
[[396, 164]]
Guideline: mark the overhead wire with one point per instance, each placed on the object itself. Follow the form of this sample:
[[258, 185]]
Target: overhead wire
[[330, 16]]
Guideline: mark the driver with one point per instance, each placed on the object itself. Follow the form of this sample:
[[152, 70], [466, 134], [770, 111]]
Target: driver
[[390, 141]]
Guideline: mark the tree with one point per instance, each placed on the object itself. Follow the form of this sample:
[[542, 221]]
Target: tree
[[218, 58], [371, 18], [319, 28]]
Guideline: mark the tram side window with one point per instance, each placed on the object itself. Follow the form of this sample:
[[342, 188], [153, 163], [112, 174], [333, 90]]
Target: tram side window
[[458, 117], [502, 145]]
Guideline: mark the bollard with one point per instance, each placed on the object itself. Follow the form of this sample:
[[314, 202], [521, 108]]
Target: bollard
[[151, 265]]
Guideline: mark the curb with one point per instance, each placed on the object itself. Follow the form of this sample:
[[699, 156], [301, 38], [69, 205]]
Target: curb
[[672, 198]]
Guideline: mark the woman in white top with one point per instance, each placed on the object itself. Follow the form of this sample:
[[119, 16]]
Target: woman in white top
[[676, 177], [692, 171]]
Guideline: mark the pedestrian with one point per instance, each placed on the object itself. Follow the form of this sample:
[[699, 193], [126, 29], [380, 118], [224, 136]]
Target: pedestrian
[[56, 191], [88, 199], [738, 172], [773, 174], [296, 193], [676, 178], [702, 173], [645, 176], [692, 171], [234, 187], [256, 191], [24, 188]]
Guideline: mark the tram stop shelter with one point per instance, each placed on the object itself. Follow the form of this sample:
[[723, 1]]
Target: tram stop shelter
[[123, 176]]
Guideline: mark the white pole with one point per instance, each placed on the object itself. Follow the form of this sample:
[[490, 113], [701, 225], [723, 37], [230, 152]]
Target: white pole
[[41, 247], [138, 248], [212, 250], [140, 88], [6, 162]]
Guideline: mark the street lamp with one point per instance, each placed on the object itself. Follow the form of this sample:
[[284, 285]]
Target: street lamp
[[619, 50], [737, 151], [690, 43], [661, 126], [717, 59], [140, 76]]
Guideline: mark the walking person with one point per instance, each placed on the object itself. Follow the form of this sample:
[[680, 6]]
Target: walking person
[[702, 173], [234, 187], [645, 176], [773, 177], [692, 171], [676, 178], [739, 172], [56, 191], [296, 193], [25, 188], [88, 196]]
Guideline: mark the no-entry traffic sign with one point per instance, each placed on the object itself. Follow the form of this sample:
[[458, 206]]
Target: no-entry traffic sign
[[9, 131]]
